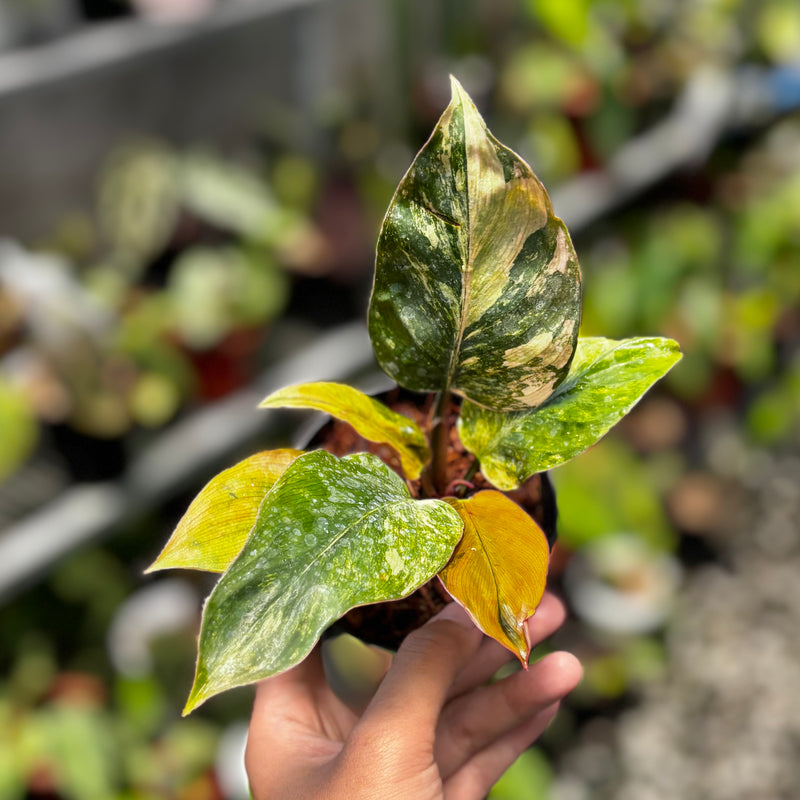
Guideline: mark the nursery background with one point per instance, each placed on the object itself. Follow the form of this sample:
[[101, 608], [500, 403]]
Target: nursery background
[[190, 194]]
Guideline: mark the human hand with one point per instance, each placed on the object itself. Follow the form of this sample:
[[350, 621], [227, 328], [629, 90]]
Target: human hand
[[433, 730]]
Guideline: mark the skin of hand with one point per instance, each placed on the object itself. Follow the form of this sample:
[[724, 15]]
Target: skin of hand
[[434, 729]]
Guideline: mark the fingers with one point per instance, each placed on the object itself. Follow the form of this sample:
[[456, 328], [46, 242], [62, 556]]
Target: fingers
[[491, 656], [483, 718], [410, 698], [476, 778]]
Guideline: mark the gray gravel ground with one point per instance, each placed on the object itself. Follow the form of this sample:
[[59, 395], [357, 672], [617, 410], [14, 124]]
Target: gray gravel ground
[[724, 721]]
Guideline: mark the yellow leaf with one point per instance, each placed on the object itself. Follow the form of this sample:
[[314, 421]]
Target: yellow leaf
[[218, 521], [499, 568], [371, 418]]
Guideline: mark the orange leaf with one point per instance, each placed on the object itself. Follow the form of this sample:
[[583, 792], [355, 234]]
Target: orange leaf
[[499, 568]]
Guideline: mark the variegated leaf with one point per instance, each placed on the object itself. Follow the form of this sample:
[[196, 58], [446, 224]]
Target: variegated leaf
[[498, 571], [371, 418], [215, 526], [332, 534], [477, 286], [606, 380]]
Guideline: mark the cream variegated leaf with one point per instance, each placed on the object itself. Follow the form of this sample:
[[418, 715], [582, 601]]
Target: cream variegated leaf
[[332, 534], [607, 378], [477, 286]]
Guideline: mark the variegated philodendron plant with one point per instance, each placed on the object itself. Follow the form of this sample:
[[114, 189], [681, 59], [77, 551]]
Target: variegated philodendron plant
[[478, 294]]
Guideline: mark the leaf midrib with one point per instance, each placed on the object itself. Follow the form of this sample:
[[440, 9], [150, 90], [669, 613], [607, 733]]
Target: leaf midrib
[[464, 234]]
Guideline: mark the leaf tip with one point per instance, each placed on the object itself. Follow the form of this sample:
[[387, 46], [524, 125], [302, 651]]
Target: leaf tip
[[197, 696], [157, 565]]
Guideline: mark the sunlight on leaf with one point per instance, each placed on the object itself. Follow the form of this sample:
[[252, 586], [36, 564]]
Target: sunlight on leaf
[[606, 380], [332, 534], [499, 568], [477, 286], [215, 526], [371, 418], [18, 430]]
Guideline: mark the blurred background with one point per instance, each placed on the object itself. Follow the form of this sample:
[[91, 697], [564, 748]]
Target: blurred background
[[190, 193]]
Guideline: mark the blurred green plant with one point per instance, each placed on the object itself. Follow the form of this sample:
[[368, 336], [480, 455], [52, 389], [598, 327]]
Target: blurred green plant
[[18, 429], [196, 260]]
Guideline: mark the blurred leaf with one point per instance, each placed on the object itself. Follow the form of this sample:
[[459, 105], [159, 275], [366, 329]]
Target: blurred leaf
[[295, 180], [78, 745], [774, 414], [154, 400], [528, 778], [213, 291], [138, 200], [539, 76], [608, 490], [18, 430], [226, 195], [371, 418], [233, 199], [215, 526], [498, 570], [477, 287], [332, 534], [566, 20], [606, 379], [778, 28]]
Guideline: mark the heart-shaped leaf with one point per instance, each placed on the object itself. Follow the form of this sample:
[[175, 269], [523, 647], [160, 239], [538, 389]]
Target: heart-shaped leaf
[[215, 526], [606, 379], [477, 286], [332, 534], [371, 418], [498, 571]]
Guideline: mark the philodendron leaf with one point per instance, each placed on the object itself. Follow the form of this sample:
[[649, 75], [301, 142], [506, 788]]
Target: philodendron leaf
[[498, 571], [371, 418], [215, 526], [477, 286], [606, 379], [332, 534]]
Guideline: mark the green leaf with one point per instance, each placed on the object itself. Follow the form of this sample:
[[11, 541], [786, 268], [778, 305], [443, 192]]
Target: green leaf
[[477, 286], [606, 380], [18, 430], [372, 419], [498, 570], [216, 525], [332, 534]]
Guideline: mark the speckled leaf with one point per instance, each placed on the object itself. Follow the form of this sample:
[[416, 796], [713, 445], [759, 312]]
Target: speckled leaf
[[498, 571], [477, 286], [372, 419], [332, 534], [215, 526], [606, 379]]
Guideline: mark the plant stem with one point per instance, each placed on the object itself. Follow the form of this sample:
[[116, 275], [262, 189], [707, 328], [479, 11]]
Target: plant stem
[[440, 439], [466, 482], [472, 470]]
